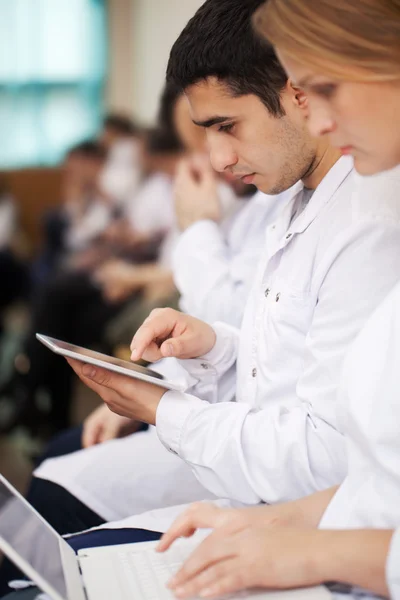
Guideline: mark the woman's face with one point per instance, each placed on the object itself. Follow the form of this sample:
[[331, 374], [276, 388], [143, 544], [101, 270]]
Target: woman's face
[[361, 119]]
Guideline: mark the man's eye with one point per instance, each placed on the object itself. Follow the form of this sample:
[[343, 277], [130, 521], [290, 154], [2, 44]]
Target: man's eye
[[225, 128]]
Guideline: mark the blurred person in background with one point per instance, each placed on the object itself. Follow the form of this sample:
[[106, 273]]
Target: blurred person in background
[[97, 275], [84, 213], [122, 173], [14, 266], [72, 306]]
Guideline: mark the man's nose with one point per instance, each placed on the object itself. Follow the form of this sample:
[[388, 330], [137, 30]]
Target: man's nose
[[222, 155]]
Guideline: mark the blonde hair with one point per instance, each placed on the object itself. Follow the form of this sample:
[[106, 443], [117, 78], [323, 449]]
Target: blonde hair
[[346, 39]]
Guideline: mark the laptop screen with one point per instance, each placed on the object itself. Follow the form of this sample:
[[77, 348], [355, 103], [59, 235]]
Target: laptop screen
[[31, 538]]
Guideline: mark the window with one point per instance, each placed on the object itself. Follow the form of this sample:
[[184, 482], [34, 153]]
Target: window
[[52, 69]]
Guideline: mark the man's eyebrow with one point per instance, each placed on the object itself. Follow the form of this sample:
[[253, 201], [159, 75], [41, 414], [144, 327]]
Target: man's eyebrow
[[212, 121]]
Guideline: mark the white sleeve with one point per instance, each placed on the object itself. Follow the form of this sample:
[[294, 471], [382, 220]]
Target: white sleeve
[[213, 376], [393, 567], [92, 224], [279, 453], [238, 453], [211, 283]]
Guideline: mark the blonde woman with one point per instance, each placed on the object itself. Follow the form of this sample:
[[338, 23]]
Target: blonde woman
[[346, 56]]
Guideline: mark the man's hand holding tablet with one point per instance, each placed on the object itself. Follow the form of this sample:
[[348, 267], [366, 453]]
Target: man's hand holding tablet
[[123, 395], [165, 333]]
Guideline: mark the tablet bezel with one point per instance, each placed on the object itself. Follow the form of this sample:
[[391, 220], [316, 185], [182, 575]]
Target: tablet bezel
[[142, 373]]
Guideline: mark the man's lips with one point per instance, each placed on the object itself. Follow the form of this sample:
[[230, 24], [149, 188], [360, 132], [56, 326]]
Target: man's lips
[[246, 178]]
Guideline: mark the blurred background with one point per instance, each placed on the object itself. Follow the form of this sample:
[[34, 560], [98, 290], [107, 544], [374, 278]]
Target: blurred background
[[80, 87], [64, 64]]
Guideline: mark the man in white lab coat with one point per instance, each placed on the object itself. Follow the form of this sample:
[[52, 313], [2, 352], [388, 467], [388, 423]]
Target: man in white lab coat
[[214, 265], [312, 294]]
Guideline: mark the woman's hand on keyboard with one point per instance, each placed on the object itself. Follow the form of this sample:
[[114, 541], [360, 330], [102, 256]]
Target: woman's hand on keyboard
[[252, 557], [305, 512], [283, 558]]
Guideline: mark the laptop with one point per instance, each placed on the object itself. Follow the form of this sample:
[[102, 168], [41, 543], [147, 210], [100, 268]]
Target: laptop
[[128, 571]]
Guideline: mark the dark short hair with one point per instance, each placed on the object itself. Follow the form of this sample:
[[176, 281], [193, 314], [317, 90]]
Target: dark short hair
[[162, 140], [219, 41], [121, 123], [89, 149]]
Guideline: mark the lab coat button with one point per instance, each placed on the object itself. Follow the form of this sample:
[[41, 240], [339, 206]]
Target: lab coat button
[[278, 296], [267, 292], [254, 372], [205, 366], [289, 235]]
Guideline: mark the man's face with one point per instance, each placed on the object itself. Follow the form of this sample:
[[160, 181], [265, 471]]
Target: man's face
[[245, 140]]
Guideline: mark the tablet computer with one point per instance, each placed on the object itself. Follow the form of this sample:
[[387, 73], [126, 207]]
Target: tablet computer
[[111, 363]]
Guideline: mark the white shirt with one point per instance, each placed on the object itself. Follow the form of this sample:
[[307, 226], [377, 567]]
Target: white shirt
[[319, 281], [151, 209], [369, 413], [214, 265], [122, 173], [91, 224]]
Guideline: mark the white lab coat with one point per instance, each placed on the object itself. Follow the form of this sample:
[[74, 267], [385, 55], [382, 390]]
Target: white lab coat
[[107, 478], [321, 278], [213, 266], [369, 416]]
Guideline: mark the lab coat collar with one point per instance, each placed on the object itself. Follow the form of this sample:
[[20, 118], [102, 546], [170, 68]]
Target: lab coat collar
[[279, 228], [282, 231], [323, 194]]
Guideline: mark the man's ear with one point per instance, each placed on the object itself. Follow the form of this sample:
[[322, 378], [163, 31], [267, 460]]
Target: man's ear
[[299, 97]]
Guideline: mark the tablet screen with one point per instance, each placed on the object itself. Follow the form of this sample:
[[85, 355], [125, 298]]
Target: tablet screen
[[54, 344]]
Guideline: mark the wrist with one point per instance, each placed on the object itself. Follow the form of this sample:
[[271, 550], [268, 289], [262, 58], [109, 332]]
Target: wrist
[[309, 510], [357, 558]]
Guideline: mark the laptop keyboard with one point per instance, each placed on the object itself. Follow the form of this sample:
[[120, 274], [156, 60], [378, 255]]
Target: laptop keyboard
[[145, 574]]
